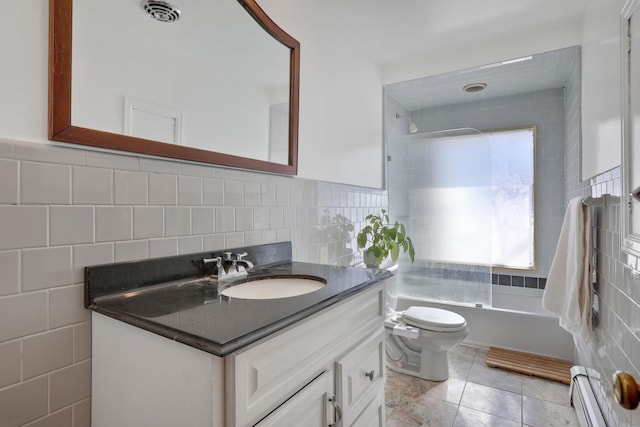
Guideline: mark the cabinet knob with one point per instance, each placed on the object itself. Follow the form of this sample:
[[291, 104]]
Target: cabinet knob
[[370, 375], [625, 390]]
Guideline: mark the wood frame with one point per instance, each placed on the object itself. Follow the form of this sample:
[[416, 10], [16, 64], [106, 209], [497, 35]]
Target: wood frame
[[60, 127]]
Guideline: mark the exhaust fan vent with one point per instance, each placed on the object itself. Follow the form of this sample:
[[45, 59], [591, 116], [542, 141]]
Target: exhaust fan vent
[[160, 10], [475, 87]]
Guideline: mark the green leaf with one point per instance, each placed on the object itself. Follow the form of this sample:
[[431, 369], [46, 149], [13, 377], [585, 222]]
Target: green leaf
[[377, 251], [395, 252], [362, 240]]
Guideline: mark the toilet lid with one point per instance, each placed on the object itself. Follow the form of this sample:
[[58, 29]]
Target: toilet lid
[[434, 319]]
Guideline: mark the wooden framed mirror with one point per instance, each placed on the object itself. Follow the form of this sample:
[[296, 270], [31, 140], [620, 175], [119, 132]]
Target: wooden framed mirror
[[102, 100]]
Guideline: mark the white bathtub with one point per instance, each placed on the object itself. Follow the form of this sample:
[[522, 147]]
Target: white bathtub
[[516, 321]]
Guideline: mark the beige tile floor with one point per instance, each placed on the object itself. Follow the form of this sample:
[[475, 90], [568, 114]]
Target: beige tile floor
[[476, 395]]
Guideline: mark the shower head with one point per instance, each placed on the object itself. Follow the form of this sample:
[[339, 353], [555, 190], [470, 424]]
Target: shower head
[[161, 10], [412, 126]]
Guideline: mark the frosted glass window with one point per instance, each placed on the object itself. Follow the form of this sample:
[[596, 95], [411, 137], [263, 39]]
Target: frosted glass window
[[479, 199], [513, 177]]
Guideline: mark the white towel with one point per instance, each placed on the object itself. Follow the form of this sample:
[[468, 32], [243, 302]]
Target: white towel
[[569, 291]]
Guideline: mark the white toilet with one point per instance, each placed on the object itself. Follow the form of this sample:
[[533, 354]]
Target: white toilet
[[418, 339]]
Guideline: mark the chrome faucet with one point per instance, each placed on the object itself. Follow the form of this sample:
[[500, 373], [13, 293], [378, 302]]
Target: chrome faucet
[[243, 263], [230, 266], [219, 266]]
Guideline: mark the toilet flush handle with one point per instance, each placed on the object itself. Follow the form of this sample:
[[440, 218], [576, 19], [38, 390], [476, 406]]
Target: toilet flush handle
[[370, 375]]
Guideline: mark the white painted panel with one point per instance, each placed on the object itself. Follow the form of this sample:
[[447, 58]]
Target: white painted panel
[[373, 414], [360, 375], [601, 94], [140, 379]]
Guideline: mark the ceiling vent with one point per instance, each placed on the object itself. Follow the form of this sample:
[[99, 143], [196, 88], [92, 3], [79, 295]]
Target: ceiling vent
[[474, 87], [161, 11]]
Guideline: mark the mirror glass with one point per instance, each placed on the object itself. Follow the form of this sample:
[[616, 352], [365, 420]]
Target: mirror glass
[[202, 80]]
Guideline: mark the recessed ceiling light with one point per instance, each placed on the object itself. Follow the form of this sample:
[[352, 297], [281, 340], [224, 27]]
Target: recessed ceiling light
[[474, 87]]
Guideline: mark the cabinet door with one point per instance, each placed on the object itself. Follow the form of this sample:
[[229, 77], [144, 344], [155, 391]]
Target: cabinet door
[[373, 414], [630, 203], [309, 407], [360, 376]]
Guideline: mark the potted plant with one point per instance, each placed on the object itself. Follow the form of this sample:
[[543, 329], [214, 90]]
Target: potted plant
[[380, 240]]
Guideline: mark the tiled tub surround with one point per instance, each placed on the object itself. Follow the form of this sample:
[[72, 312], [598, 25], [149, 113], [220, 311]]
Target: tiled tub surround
[[197, 315], [518, 281], [62, 209], [550, 110]]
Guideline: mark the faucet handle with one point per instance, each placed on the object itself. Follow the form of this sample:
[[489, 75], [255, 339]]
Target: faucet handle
[[217, 260], [228, 256], [242, 255]]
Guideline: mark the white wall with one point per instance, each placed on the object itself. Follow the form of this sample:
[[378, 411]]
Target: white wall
[[340, 92], [340, 98], [601, 95], [23, 75]]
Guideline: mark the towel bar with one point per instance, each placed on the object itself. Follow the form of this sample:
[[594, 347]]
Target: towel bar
[[595, 201]]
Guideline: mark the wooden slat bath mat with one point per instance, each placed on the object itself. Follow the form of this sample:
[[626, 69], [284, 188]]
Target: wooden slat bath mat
[[529, 364]]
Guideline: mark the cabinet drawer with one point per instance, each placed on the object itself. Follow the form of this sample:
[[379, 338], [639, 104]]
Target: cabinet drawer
[[309, 407], [263, 376], [360, 376]]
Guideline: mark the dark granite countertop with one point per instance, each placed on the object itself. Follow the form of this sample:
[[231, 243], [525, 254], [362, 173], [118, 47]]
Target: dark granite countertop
[[195, 314]]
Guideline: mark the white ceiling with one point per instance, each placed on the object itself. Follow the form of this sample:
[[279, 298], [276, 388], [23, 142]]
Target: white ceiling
[[538, 72], [389, 31], [392, 30]]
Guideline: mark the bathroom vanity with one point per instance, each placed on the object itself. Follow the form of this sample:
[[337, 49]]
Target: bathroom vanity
[[165, 358]]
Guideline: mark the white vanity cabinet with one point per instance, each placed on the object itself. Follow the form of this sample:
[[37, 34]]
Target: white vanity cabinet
[[345, 340], [326, 370]]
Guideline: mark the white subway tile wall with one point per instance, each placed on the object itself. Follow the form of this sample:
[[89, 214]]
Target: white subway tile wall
[[9, 178], [93, 186], [23, 226], [64, 208], [131, 188], [163, 189], [44, 183], [616, 341]]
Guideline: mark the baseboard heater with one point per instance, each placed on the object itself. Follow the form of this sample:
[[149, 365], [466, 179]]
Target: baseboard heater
[[584, 400]]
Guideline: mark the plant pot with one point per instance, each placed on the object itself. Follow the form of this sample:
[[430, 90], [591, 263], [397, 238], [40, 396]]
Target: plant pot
[[370, 260]]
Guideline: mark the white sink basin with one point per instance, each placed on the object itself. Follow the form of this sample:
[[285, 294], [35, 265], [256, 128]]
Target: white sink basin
[[272, 288]]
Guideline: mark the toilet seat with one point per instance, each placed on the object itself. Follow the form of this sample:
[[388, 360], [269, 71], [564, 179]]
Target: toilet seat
[[434, 319]]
